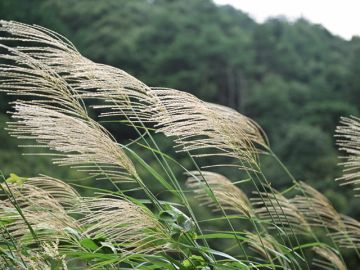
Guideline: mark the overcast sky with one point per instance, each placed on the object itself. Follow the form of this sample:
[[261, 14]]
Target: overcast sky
[[339, 17]]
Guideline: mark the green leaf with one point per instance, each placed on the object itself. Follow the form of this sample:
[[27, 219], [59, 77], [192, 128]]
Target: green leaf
[[89, 244], [15, 179]]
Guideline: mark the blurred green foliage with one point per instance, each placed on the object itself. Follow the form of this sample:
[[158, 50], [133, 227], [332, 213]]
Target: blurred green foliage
[[294, 78]]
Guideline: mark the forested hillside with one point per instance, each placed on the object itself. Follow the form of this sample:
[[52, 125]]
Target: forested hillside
[[294, 78]]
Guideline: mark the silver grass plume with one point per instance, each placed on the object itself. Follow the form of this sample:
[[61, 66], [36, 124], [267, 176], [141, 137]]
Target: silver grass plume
[[63, 193], [78, 143], [123, 94], [229, 133], [316, 208], [278, 211], [329, 259], [31, 261], [39, 210], [127, 226], [266, 246], [348, 234], [319, 212], [251, 128], [348, 140], [228, 195], [48, 68], [23, 75], [36, 260], [52, 250], [197, 126]]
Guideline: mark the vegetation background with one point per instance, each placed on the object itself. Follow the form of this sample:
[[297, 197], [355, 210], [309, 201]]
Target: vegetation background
[[294, 78]]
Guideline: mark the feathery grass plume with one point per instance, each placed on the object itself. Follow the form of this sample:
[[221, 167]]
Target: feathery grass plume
[[46, 259], [30, 261], [198, 126], [256, 134], [127, 226], [79, 143], [348, 140], [48, 68], [348, 234], [329, 259], [59, 190], [125, 94], [316, 208], [278, 211], [34, 34], [51, 250], [266, 246], [227, 194], [40, 213], [25, 76], [319, 212]]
